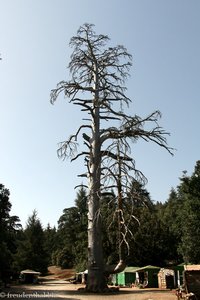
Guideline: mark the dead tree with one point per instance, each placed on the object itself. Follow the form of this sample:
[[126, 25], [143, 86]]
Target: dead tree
[[98, 74]]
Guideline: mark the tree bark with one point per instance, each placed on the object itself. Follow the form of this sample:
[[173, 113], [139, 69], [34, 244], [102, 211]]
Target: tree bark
[[102, 72], [96, 281]]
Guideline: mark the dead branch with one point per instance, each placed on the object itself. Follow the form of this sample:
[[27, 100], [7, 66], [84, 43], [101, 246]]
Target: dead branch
[[98, 74], [80, 154], [67, 149], [114, 156]]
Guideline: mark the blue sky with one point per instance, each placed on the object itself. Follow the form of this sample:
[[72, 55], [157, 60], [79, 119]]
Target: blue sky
[[164, 39]]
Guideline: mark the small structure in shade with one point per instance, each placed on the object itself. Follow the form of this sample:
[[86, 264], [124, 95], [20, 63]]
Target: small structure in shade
[[81, 277], [192, 281], [166, 279], [29, 276], [178, 271], [147, 276], [143, 277], [191, 267], [125, 278]]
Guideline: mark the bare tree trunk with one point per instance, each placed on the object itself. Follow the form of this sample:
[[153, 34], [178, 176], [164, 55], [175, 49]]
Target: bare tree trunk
[[106, 69], [96, 278]]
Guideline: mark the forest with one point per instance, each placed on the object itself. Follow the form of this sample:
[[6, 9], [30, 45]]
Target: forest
[[160, 234], [114, 222]]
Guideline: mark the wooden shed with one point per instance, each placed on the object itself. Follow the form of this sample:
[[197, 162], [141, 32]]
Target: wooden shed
[[192, 281]]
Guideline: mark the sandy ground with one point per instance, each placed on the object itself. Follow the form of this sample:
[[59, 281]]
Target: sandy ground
[[57, 290]]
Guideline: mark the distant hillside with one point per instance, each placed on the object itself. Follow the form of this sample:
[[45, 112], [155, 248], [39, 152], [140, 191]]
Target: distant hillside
[[58, 273]]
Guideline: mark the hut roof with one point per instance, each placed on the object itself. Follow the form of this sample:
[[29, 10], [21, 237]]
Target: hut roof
[[146, 268], [166, 272], [130, 270], [30, 272], [192, 267]]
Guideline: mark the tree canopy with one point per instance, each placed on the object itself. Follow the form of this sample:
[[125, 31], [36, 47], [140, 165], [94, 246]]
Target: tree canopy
[[162, 234], [9, 226], [32, 253]]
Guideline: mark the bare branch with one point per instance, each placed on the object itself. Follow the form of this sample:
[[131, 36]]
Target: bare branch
[[80, 154], [82, 175], [67, 149], [98, 74], [112, 155], [81, 185]]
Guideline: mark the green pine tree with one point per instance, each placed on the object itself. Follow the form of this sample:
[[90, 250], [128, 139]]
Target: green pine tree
[[190, 227], [31, 252]]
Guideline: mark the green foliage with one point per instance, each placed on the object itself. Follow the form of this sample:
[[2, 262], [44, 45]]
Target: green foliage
[[31, 252], [63, 258], [149, 240], [171, 215], [110, 229], [190, 192], [180, 215], [9, 226], [50, 242], [72, 234], [157, 234]]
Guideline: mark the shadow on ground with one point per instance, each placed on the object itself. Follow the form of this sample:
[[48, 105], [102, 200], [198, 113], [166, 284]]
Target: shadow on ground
[[62, 290]]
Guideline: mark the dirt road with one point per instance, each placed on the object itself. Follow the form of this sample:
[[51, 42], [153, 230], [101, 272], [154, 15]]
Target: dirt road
[[57, 290]]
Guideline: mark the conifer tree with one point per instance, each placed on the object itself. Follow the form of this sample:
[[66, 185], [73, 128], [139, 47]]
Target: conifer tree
[[31, 252], [9, 226], [190, 222], [98, 74]]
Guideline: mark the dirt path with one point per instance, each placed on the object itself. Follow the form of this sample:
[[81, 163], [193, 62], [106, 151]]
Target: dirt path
[[57, 290]]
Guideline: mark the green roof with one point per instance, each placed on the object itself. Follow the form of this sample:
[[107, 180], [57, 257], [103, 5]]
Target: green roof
[[139, 269], [130, 269], [147, 268]]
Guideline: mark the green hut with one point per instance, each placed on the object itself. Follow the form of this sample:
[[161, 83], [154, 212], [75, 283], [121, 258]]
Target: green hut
[[127, 277], [147, 276]]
